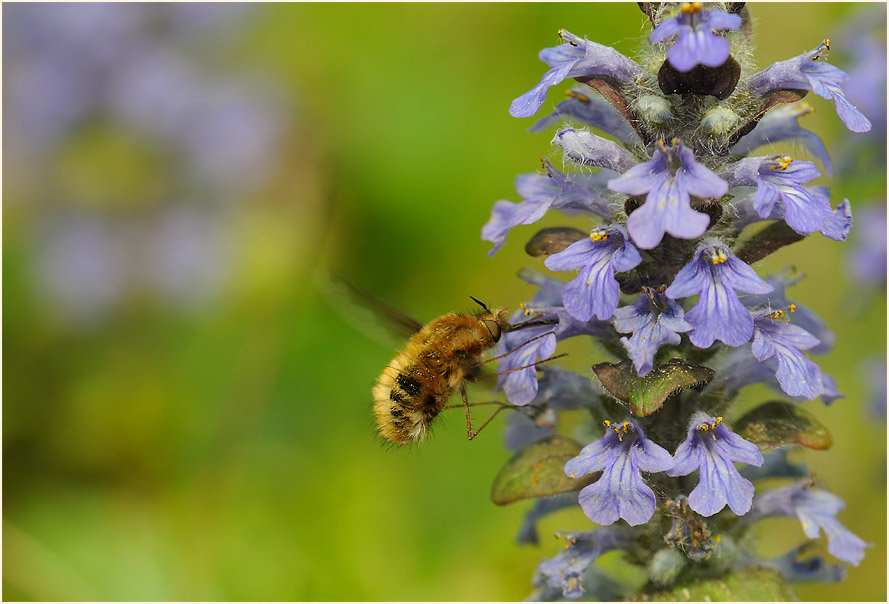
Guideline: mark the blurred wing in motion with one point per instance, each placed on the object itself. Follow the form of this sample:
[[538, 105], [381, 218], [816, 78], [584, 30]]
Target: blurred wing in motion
[[364, 311]]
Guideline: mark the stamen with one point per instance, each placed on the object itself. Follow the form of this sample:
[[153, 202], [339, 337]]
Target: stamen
[[562, 37], [577, 95], [804, 108], [599, 235], [792, 308], [691, 8], [718, 256], [711, 427], [783, 163], [620, 430]]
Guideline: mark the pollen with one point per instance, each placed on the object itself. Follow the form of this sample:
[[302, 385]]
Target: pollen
[[783, 163], [711, 427], [718, 256], [599, 236], [576, 95], [776, 315], [690, 8], [792, 308]]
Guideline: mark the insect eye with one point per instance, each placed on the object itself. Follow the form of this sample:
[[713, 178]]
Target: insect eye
[[494, 328]]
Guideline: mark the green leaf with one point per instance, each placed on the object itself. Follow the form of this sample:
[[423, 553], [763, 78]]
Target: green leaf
[[647, 394], [553, 240], [767, 241], [752, 584], [538, 470], [779, 423]]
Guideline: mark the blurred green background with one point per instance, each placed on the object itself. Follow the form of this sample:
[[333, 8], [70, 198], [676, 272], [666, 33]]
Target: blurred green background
[[186, 416]]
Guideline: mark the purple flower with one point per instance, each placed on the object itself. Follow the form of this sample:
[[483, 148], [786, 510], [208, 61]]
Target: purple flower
[[809, 71], [529, 346], [772, 337], [696, 44], [504, 216], [576, 58], [655, 320], [595, 291], [590, 110], [565, 570], [797, 566], [669, 178], [838, 223], [543, 507], [518, 374], [716, 274], [739, 368], [802, 316], [622, 454], [713, 449], [780, 124], [542, 192], [816, 510], [782, 178], [588, 149]]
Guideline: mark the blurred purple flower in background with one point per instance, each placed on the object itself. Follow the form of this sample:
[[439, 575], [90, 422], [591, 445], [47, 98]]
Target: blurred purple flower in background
[[866, 259], [156, 79]]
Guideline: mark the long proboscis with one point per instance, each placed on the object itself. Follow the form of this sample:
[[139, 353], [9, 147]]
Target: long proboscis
[[528, 324]]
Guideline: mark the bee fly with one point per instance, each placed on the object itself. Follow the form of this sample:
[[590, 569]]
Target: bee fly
[[437, 360]]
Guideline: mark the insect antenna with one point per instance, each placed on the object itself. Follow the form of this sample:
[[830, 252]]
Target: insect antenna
[[479, 302]]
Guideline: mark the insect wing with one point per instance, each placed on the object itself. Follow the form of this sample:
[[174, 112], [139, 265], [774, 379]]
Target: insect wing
[[365, 311]]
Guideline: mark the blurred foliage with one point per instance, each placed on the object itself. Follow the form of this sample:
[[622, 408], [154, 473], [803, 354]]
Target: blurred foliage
[[222, 448]]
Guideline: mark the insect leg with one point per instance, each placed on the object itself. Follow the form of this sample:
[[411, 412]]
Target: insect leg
[[509, 352], [466, 404]]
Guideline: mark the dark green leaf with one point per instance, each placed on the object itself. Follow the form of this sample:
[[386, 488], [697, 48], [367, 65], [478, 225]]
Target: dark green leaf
[[647, 394], [538, 470], [552, 240], [767, 241], [752, 584], [779, 423]]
